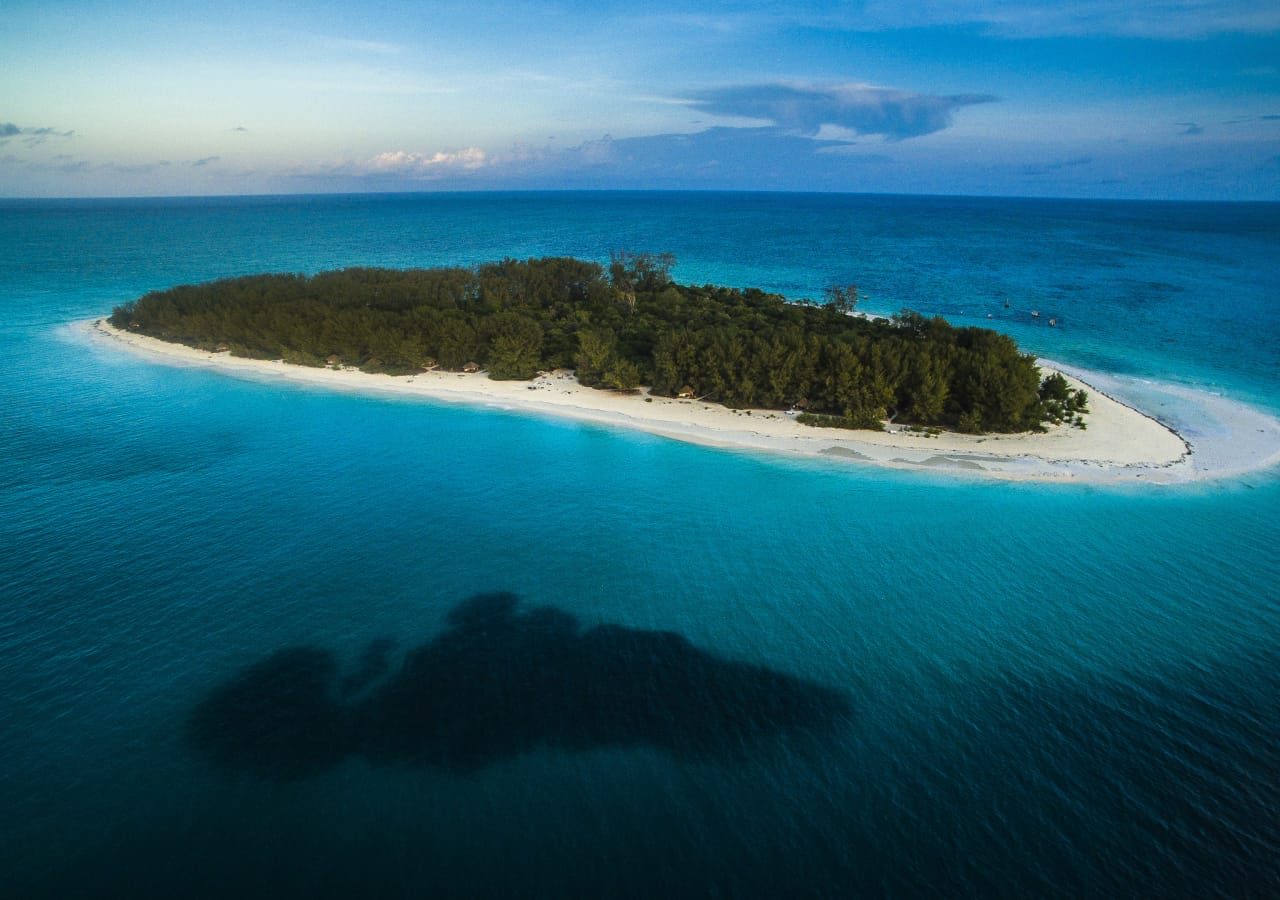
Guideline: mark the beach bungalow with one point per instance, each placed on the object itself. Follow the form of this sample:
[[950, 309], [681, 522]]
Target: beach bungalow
[[471, 367], [686, 393], [333, 359]]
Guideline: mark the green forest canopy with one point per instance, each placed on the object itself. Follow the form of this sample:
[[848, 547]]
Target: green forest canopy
[[619, 327]]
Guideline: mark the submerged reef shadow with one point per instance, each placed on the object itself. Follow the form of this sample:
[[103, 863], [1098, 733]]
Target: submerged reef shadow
[[496, 683]]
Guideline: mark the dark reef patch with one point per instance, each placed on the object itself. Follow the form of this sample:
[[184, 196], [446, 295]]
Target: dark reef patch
[[375, 662], [496, 683], [278, 718]]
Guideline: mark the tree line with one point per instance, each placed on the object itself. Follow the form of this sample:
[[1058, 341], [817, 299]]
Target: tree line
[[618, 327]]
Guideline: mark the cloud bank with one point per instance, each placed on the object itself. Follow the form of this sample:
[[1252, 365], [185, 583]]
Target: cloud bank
[[1157, 19], [30, 136], [895, 115], [807, 143]]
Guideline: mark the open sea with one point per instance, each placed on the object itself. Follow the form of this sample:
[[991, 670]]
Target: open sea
[[258, 640]]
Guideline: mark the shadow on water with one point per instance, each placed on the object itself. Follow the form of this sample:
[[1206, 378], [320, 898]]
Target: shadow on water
[[496, 683]]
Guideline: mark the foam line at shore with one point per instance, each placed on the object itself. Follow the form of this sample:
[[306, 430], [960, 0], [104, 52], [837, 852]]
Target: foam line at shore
[[1190, 435]]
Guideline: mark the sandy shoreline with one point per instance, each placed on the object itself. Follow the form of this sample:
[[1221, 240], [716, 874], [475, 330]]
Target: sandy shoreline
[[1202, 436]]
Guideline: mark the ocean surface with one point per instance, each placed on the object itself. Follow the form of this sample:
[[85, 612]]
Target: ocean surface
[[260, 640]]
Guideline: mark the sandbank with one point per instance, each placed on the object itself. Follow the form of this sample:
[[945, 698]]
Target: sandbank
[[1192, 436]]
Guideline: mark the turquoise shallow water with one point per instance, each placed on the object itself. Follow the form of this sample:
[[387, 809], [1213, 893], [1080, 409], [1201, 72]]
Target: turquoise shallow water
[[761, 677]]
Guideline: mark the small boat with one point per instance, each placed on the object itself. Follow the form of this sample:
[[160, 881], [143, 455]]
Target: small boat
[[1053, 323], [1006, 303], [1035, 313]]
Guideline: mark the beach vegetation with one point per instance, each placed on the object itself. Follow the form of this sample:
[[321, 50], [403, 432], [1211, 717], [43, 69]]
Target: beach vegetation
[[620, 326], [841, 297], [1059, 402]]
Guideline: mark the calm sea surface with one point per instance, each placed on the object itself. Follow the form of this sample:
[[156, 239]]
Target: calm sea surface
[[259, 640]]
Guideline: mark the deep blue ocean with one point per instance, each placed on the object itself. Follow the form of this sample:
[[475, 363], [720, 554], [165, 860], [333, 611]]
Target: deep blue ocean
[[264, 641]]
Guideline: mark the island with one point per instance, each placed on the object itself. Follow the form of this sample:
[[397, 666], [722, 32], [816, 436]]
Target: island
[[624, 345], [619, 328]]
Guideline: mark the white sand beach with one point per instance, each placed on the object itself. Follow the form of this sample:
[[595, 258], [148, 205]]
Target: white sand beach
[[1215, 437]]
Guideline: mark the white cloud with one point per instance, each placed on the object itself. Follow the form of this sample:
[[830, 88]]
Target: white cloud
[[423, 165]]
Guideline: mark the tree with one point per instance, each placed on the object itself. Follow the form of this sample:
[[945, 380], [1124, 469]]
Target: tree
[[970, 423], [632, 272], [515, 352], [456, 343], [623, 375], [596, 349], [1055, 387], [841, 298], [926, 397]]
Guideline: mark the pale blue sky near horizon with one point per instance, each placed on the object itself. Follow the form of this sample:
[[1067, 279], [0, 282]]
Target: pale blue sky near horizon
[[1177, 99]]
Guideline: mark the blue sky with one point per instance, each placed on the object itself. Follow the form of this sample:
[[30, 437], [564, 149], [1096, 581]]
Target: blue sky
[[1175, 99]]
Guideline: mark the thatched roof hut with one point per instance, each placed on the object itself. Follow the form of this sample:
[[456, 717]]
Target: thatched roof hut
[[686, 393], [471, 367]]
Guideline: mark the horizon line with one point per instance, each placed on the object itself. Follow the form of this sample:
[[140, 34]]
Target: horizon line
[[742, 191]]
